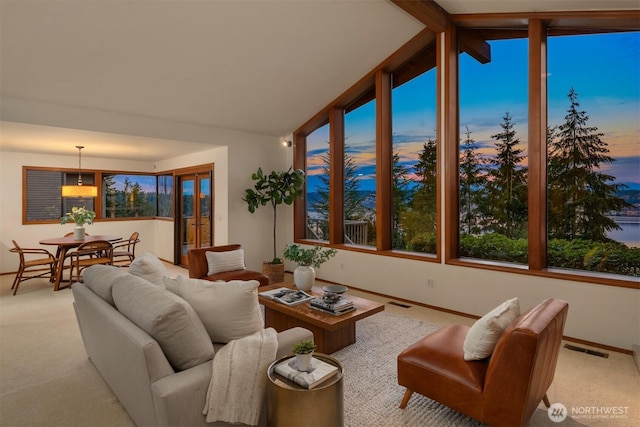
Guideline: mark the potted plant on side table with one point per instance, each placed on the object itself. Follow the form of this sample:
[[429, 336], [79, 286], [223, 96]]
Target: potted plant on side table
[[303, 351], [308, 260], [275, 188], [80, 216]]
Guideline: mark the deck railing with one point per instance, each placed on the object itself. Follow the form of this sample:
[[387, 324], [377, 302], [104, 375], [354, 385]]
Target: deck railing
[[355, 232]]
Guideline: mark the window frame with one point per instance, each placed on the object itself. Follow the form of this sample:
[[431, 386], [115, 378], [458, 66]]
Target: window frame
[[536, 27], [98, 205]]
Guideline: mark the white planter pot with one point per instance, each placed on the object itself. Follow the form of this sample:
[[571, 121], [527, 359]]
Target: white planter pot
[[303, 362], [304, 276], [78, 233]]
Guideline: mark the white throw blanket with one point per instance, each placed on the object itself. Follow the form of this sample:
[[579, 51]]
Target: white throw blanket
[[238, 382]]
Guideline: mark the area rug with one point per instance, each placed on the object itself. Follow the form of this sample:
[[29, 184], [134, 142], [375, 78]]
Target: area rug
[[371, 391]]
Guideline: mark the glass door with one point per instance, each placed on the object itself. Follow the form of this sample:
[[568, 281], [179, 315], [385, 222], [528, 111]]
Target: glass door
[[195, 213]]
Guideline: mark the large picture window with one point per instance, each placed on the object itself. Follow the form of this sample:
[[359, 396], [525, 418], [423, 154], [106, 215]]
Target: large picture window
[[360, 175], [540, 167], [317, 185], [414, 158], [593, 151], [129, 196], [493, 150]]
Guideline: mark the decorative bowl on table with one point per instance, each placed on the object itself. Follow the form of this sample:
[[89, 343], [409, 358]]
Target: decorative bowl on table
[[335, 289]]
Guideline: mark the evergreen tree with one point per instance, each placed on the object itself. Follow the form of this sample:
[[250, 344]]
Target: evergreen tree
[[507, 184], [421, 217], [580, 195], [353, 198], [401, 197], [109, 185], [472, 186]]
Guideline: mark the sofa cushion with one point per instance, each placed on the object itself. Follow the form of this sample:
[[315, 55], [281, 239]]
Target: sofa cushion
[[485, 332], [149, 267], [219, 262], [100, 279], [167, 318], [171, 285], [228, 310]]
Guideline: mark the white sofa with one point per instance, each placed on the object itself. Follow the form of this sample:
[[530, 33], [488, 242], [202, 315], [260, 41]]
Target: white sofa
[[133, 363]]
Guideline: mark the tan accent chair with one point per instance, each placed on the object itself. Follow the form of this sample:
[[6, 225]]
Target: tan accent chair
[[125, 249], [199, 268], [90, 253], [44, 267], [502, 390]]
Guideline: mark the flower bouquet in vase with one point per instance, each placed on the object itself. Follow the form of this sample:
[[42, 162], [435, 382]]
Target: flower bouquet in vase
[[80, 216]]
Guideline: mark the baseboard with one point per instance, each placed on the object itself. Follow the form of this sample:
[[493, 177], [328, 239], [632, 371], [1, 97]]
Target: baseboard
[[636, 355], [471, 316]]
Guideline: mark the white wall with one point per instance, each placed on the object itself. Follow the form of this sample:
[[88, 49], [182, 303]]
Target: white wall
[[234, 163], [603, 314]]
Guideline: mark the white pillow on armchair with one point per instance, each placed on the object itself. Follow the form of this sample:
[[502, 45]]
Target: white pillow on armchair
[[220, 262], [485, 332]]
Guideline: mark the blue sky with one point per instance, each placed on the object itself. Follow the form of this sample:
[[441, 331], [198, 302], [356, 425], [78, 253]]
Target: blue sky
[[603, 69]]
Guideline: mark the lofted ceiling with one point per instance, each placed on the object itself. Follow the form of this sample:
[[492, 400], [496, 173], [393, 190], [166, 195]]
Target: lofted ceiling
[[259, 66]]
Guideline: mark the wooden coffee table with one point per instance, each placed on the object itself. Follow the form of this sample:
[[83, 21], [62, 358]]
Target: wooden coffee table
[[330, 333]]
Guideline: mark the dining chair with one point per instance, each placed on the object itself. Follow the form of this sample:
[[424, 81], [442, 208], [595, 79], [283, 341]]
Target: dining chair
[[88, 254], [45, 266], [68, 254], [125, 250]]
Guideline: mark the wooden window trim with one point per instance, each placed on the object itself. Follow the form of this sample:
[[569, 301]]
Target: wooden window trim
[[537, 146], [534, 26], [98, 208]]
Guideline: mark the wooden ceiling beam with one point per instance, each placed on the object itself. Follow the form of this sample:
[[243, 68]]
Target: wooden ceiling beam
[[475, 45], [426, 11]]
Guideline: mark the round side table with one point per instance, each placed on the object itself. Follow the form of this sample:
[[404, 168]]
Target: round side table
[[291, 405]]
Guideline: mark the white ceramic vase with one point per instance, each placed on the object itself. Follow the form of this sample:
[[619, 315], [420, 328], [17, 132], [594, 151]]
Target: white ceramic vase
[[303, 362], [78, 233], [304, 276]]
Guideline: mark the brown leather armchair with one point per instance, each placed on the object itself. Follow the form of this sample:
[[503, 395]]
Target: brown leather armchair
[[502, 390], [198, 266]]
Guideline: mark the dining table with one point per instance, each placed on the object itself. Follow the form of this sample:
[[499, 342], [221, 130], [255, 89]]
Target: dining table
[[64, 244]]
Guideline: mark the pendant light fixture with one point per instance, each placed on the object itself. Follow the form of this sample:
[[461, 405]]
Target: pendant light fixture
[[79, 190]]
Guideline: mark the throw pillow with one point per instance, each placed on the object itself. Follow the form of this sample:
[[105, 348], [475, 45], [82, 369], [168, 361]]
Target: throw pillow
[[167, 318], [171, 285], [149, 267], [485, 332], [219, 262], [228, 310], [100, 279]]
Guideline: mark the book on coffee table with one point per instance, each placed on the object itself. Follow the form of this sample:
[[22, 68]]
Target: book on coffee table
[[340, 307], [320, 371], [334, 313], [287, 296]]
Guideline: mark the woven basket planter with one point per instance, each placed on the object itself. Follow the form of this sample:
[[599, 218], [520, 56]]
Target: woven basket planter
[[274, 271]]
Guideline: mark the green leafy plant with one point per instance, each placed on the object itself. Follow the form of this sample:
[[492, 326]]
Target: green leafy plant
[[309, 257], [275, 189], [78, 215], [304, 347]]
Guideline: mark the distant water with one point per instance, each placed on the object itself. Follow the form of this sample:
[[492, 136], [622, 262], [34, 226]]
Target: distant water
[[629, 235]]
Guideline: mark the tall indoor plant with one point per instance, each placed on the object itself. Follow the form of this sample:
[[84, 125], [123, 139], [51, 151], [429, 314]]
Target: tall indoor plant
[[274, 189]]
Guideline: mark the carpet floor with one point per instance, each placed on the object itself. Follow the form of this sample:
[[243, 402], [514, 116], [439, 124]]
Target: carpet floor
[[47, 379]]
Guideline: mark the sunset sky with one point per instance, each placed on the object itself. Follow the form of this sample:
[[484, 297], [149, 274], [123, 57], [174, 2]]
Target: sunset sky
[[604, 70]]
